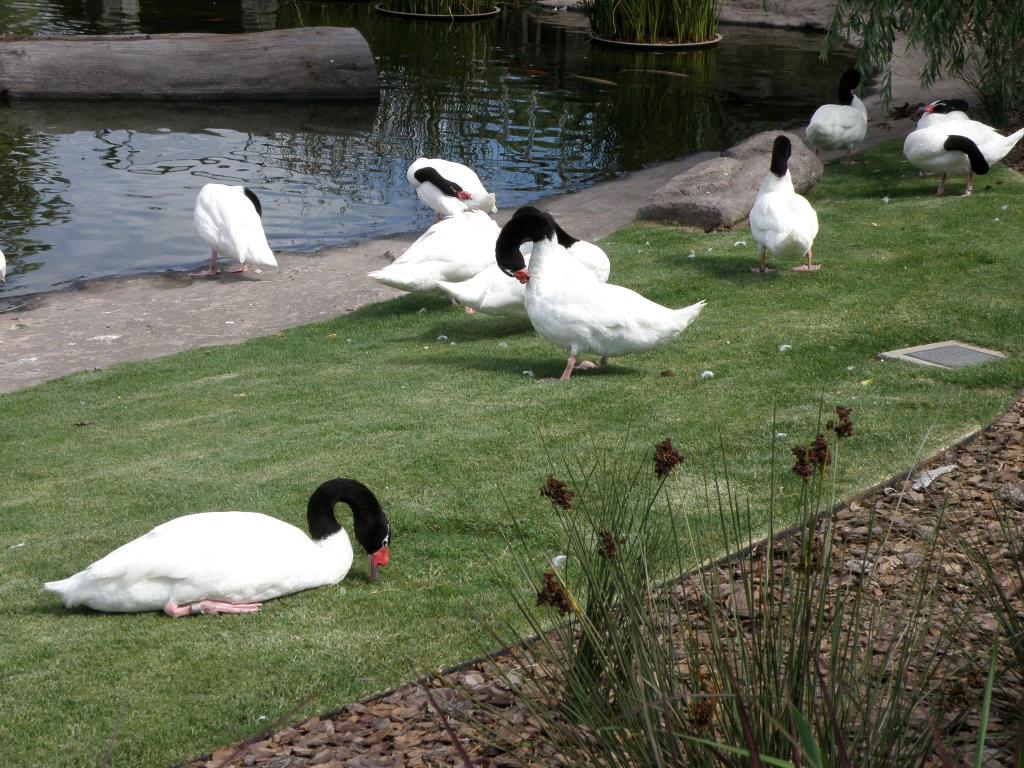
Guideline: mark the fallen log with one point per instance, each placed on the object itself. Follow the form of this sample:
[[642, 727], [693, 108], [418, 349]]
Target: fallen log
[[305, 64]]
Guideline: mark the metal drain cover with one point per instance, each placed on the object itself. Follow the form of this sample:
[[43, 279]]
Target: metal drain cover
[[944, 354]]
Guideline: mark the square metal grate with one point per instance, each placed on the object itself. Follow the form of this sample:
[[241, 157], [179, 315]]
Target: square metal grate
[[944, 354]]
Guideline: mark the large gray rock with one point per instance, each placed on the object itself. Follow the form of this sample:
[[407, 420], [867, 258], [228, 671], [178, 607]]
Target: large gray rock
[[720, 192]]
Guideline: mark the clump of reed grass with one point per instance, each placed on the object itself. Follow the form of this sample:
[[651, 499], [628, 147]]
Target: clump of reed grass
[[663, 654], [654, 21], [441, 7]]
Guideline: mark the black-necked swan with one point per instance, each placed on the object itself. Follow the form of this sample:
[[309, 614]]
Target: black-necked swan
[[448, 187], [781, 221], [834, 126], [569, 306], [958, 147], [230, 562], [493, 292], [455, 248], [942, 110], [229, 220]]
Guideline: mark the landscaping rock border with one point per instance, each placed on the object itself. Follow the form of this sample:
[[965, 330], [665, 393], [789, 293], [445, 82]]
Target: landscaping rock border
[[719, 193]]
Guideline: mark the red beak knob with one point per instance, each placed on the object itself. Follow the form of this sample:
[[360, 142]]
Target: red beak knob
[[523, 276]]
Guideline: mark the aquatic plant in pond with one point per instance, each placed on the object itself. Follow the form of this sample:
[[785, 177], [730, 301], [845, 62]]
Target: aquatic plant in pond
[[654, 21], [441, 7]]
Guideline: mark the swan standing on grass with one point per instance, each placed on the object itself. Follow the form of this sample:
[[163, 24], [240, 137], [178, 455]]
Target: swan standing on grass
[[782, 221], [495, 293], [834, 126], [959, 147], [448, 187], [455, 248], [229, 220], [569, 306], [230, 562]]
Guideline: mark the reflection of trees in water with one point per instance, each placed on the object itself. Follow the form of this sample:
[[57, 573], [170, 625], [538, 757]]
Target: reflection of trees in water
[[31, 195]]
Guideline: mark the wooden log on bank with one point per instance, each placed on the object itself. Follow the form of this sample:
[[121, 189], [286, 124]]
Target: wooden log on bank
[[305, 64]]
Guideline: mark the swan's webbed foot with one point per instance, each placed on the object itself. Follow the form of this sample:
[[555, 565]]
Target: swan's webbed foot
[[176, 611]]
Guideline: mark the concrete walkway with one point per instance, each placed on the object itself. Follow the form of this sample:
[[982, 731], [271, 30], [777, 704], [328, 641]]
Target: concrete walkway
[[124, 319]]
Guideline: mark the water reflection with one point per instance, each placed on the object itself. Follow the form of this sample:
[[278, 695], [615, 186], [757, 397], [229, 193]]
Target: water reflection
[[108, 189]]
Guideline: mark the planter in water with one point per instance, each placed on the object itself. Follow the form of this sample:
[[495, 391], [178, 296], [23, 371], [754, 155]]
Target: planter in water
[[439, 10], [654, 24]]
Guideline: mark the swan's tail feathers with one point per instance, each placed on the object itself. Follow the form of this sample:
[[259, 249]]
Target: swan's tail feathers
[[459, 292], [407, 277], [687, 315], [1013, 138], [261, 257], [488, 204], [59, 587]]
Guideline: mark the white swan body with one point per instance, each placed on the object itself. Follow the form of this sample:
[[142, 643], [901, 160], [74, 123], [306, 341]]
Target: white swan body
[[231, 561], [228, 220], [448, 187], [781, 221], [842, 125], [570, 307], [454, 249], [493, 292], [924, 147], [234, 557], [3, 268]]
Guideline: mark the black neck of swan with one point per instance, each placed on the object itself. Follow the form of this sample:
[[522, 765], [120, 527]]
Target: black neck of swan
[[254, 200], [564, 238], [530, 225], [847, 83], [371, 524], [429, 174], [781, 150], [963, 144]]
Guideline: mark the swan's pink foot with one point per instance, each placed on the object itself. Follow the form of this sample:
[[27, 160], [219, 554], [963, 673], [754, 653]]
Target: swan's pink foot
[[586, 365], [469, 310], [809, 266], [176, 611], [212, 271], [242, 268]]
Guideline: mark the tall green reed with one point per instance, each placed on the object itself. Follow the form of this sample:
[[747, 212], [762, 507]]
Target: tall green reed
[[654, 21]]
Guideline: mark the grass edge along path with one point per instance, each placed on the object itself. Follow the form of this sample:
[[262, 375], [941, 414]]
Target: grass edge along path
[[453, 438]]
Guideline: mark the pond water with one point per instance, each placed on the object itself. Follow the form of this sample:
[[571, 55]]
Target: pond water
[[94, 190]]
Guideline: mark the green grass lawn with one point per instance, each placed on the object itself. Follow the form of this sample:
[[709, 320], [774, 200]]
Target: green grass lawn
[[454, 439]]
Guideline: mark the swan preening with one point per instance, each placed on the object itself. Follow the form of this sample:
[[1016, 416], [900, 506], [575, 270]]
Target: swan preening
[[229, 220], [230, 562], [493, 292], [835, 126], [781, 221], [955, 144], [942, 110], [569, 306], [455, 248], [448, 187]]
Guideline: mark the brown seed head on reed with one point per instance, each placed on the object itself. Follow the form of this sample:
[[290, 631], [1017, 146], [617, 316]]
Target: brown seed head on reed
[[702, 714], [554, 593], [666, 458], [821, 456], [558, 492], [804, 466], [844, 426], [608, 547]]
